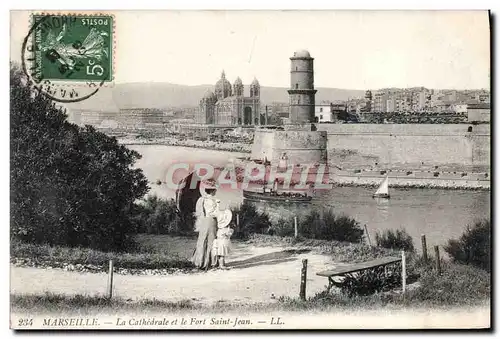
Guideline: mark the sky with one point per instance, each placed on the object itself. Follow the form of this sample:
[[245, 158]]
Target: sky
[[352, 49]]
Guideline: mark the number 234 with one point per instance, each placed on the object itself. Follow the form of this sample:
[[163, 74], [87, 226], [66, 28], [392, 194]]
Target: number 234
[[25, 322]]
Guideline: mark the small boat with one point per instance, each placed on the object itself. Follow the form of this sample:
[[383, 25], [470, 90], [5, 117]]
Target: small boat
[[383, 189]]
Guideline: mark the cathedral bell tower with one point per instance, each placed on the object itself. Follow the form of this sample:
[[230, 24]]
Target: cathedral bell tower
[[255, 88]]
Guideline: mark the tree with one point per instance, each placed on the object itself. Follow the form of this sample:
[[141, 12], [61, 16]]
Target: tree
[[69, 185]]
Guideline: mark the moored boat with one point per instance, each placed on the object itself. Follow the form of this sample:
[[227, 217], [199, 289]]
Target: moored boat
[[288, 197]]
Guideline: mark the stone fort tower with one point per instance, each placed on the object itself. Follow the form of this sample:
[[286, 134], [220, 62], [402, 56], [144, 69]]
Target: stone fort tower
[[300, 141], [302, 93]]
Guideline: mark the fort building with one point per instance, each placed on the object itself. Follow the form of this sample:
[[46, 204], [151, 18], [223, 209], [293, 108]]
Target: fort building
[[298, 140]]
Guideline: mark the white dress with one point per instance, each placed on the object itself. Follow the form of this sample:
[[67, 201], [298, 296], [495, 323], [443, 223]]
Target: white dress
[[222, 245]]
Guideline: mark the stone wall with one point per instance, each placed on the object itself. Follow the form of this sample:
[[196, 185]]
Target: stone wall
[[414, 179], [301, 147], [352, 145], [263, 144]]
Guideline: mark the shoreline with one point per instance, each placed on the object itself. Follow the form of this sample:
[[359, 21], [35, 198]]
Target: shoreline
[[208, 145], [413, 186]]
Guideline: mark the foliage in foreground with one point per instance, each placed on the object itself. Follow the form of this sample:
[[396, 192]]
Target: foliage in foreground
[[372, 281], [473, 247], [77, 255], [69, 186], [397, 240], [326, 225], [252, 221], [458, 285], [159, 216], [87, 303]]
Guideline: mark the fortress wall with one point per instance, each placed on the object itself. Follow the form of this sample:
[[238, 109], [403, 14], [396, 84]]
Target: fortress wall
[[433, 144], [481, 149], [301, 147], [263, 144], [414, 181]]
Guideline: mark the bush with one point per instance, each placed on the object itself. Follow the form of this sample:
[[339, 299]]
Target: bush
[[456, 285], [283, 227], [251, 221], [371, 281], [159, 216], [473, 246], [325, 225], [69, 185], [396, 240]]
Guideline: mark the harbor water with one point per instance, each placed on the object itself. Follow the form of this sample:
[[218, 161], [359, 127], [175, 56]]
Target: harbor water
[[440, 214]]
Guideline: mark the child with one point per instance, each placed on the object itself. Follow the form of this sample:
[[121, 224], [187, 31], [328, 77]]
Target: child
[[222, 244]]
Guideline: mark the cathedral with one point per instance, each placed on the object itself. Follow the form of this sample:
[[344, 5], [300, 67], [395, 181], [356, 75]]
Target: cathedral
[[229, 106]]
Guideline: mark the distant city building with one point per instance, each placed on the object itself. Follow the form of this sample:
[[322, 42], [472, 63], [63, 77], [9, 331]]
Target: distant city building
[[443, 106], [323, 112], [380, 101], [391, 105], [229, 106], [459, 108], [92, 117], [421, 99], [139, 118]]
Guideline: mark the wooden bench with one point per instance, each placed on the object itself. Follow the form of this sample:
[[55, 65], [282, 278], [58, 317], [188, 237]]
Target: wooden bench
[[353, 268]]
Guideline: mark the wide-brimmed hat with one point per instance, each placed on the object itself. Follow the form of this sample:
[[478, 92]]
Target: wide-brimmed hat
[[207, 184], [224, 218]]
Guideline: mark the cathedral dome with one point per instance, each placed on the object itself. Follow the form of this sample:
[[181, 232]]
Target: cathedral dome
[[223, 87], [301, 53], [209, 95], [255, 82], [238, 81]]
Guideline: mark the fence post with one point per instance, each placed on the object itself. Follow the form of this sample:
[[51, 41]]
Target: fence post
[[296, 227], [303, 280], [424, 248], [368, 236], [438, 260], [403, 270], [110, 279]]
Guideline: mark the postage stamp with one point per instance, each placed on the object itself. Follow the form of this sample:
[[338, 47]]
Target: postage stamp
[[73, 47], [69, 57]]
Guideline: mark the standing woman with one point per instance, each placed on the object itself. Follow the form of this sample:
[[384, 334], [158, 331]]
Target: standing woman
[[206, 226]]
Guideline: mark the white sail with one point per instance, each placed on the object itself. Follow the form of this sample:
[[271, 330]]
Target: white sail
[[383, 189]]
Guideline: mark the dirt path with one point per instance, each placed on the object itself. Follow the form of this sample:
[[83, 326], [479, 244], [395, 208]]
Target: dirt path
[[256, 274]]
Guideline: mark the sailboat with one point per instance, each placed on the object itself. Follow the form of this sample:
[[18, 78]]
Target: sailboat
[[383, 189]]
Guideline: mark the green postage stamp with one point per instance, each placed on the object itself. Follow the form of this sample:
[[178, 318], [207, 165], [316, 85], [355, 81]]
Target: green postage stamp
[[72, 47]]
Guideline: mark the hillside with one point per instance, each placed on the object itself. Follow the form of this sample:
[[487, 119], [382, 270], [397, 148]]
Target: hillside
[[163, 95]]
